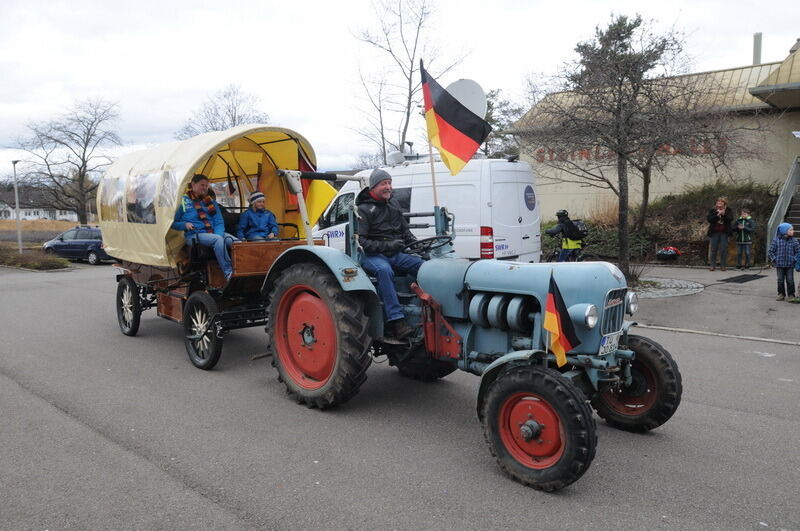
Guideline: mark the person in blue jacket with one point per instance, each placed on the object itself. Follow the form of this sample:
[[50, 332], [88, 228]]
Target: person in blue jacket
[[783, 253], [257, 223], [200, 219]]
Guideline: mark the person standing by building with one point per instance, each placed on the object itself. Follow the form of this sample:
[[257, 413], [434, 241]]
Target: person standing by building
[[783, 253], [743, 229], [720, 219]]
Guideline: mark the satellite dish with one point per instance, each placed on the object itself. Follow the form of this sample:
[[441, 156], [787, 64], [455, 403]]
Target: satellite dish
[[470, 94]]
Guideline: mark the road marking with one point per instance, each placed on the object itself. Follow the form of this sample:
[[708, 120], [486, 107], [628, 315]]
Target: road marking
[[764, 354], [717, 334]]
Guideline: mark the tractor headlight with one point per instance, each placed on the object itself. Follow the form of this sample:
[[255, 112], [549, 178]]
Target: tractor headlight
[[631, 303], [590, 317]]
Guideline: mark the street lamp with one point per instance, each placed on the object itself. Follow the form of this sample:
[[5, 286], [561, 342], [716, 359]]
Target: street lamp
[[16, 201]]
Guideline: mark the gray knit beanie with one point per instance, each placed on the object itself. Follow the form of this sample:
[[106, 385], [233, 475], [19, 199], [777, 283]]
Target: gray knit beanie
[[377, 176]]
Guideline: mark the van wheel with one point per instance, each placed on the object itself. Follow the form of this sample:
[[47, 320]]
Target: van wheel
[[318, 337]]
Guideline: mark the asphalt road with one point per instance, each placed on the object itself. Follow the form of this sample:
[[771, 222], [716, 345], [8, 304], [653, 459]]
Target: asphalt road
[[103, 431]]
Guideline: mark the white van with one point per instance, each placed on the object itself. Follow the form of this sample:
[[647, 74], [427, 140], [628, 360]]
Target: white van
[[493, 201]]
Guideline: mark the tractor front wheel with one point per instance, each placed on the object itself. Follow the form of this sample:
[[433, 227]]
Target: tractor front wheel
[[318, 337], [539, 427], [653, 395]]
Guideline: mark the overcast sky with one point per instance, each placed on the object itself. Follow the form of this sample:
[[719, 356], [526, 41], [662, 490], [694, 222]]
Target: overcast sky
[[161, 59]]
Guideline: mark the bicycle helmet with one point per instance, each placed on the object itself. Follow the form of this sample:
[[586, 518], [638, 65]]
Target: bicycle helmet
[[562, 214]]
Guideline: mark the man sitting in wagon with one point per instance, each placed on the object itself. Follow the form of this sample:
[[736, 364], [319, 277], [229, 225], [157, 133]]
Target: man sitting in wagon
[[382, 233], [200, 219], [257, 223]]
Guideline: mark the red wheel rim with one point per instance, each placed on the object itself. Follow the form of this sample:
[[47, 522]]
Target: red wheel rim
[[547, 444], [639, 397], [305, 337]]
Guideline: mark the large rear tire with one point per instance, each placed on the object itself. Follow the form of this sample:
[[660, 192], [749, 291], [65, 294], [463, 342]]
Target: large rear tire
[[539, 427], [318, 337], [652, 398], [203, 345], [129, 307]]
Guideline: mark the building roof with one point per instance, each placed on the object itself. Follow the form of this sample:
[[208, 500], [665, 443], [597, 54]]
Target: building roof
[[781, 88]]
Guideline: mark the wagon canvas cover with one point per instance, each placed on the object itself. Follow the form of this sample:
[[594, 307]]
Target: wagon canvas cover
[[140, 191]]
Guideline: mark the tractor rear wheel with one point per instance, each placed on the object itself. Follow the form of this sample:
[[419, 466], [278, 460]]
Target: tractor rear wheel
[[318, 337], [653, 396], [539, 427], [421, 366]]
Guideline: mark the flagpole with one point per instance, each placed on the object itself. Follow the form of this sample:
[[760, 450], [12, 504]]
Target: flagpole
[[433, 175]]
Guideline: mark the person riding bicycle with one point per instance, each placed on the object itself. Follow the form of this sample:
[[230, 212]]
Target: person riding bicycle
[[565, 228], [383, 233]]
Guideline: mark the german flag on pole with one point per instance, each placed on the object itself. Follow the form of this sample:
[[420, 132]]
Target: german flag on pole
[[558, 323], [453, 129]]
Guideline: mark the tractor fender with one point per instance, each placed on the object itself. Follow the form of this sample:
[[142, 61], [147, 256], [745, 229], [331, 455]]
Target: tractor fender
[[626, 326], [350, 275], [518, 357]]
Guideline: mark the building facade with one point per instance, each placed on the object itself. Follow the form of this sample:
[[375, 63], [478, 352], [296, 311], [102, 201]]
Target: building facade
[[768, 93]]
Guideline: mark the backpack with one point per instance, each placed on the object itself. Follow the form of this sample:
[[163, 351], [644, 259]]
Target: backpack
[[575, 229]]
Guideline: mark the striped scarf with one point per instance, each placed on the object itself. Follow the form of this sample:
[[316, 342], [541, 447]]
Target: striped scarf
[[205, 208]]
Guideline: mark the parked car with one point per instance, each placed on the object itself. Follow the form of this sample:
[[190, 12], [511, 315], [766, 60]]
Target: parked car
[[81, 243]]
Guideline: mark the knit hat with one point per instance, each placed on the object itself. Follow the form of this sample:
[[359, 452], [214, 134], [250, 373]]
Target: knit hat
[[377, 176], [255, 196], [783, 228]]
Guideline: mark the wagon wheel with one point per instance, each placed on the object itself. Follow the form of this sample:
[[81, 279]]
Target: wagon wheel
[[93, 258], [318, 336], [539, 427], [129, 306], [653, 396], [200, 334]]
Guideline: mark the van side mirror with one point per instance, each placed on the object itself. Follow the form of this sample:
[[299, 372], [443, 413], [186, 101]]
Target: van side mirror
[[323, 221]]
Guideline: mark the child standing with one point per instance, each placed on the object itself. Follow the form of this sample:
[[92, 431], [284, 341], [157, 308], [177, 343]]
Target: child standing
[[257, 223], [782, 253], [743, 229]]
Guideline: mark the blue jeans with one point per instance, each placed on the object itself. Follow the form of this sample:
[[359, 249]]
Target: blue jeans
[[220, 245], [743, 249], [565, 254], [785, 274], [383, 268], [719, 241]]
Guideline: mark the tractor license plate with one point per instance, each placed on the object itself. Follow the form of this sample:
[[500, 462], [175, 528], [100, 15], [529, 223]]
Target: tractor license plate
[[609, 344]]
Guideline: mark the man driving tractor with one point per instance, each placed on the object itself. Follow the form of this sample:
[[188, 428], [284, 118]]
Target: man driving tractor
[[383, 233]]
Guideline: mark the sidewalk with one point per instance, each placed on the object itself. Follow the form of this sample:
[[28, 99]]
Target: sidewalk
[[746, 309]]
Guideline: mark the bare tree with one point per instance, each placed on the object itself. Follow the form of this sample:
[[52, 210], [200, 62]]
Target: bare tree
[[394, 98], [67, 153], [367, 160], [227, 108], [501, 115], [625, 104]]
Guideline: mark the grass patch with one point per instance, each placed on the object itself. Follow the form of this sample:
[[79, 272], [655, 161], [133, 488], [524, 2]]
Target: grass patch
[[30, 259]]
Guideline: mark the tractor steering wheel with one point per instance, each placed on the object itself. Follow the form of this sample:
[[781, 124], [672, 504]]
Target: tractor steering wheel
[[426, 245]]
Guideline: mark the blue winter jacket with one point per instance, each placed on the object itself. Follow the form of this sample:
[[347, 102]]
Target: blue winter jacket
[[256, 224], [187, 213], [783, 251]]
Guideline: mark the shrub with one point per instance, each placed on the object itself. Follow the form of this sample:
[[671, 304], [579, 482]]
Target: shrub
[[30, 259]]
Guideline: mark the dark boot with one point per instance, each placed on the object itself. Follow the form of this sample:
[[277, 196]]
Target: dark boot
[[399, 328]]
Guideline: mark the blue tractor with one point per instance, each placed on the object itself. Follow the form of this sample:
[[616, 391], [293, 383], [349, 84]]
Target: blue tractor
[[485, 317]]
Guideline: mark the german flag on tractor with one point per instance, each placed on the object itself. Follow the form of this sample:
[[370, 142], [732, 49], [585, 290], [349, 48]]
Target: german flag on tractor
[[558, 323], [453, 129]]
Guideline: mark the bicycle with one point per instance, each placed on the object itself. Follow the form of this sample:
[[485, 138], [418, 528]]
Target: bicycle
[[577, 255]]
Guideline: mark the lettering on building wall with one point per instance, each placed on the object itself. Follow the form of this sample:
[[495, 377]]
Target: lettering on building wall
[[704, 147]]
